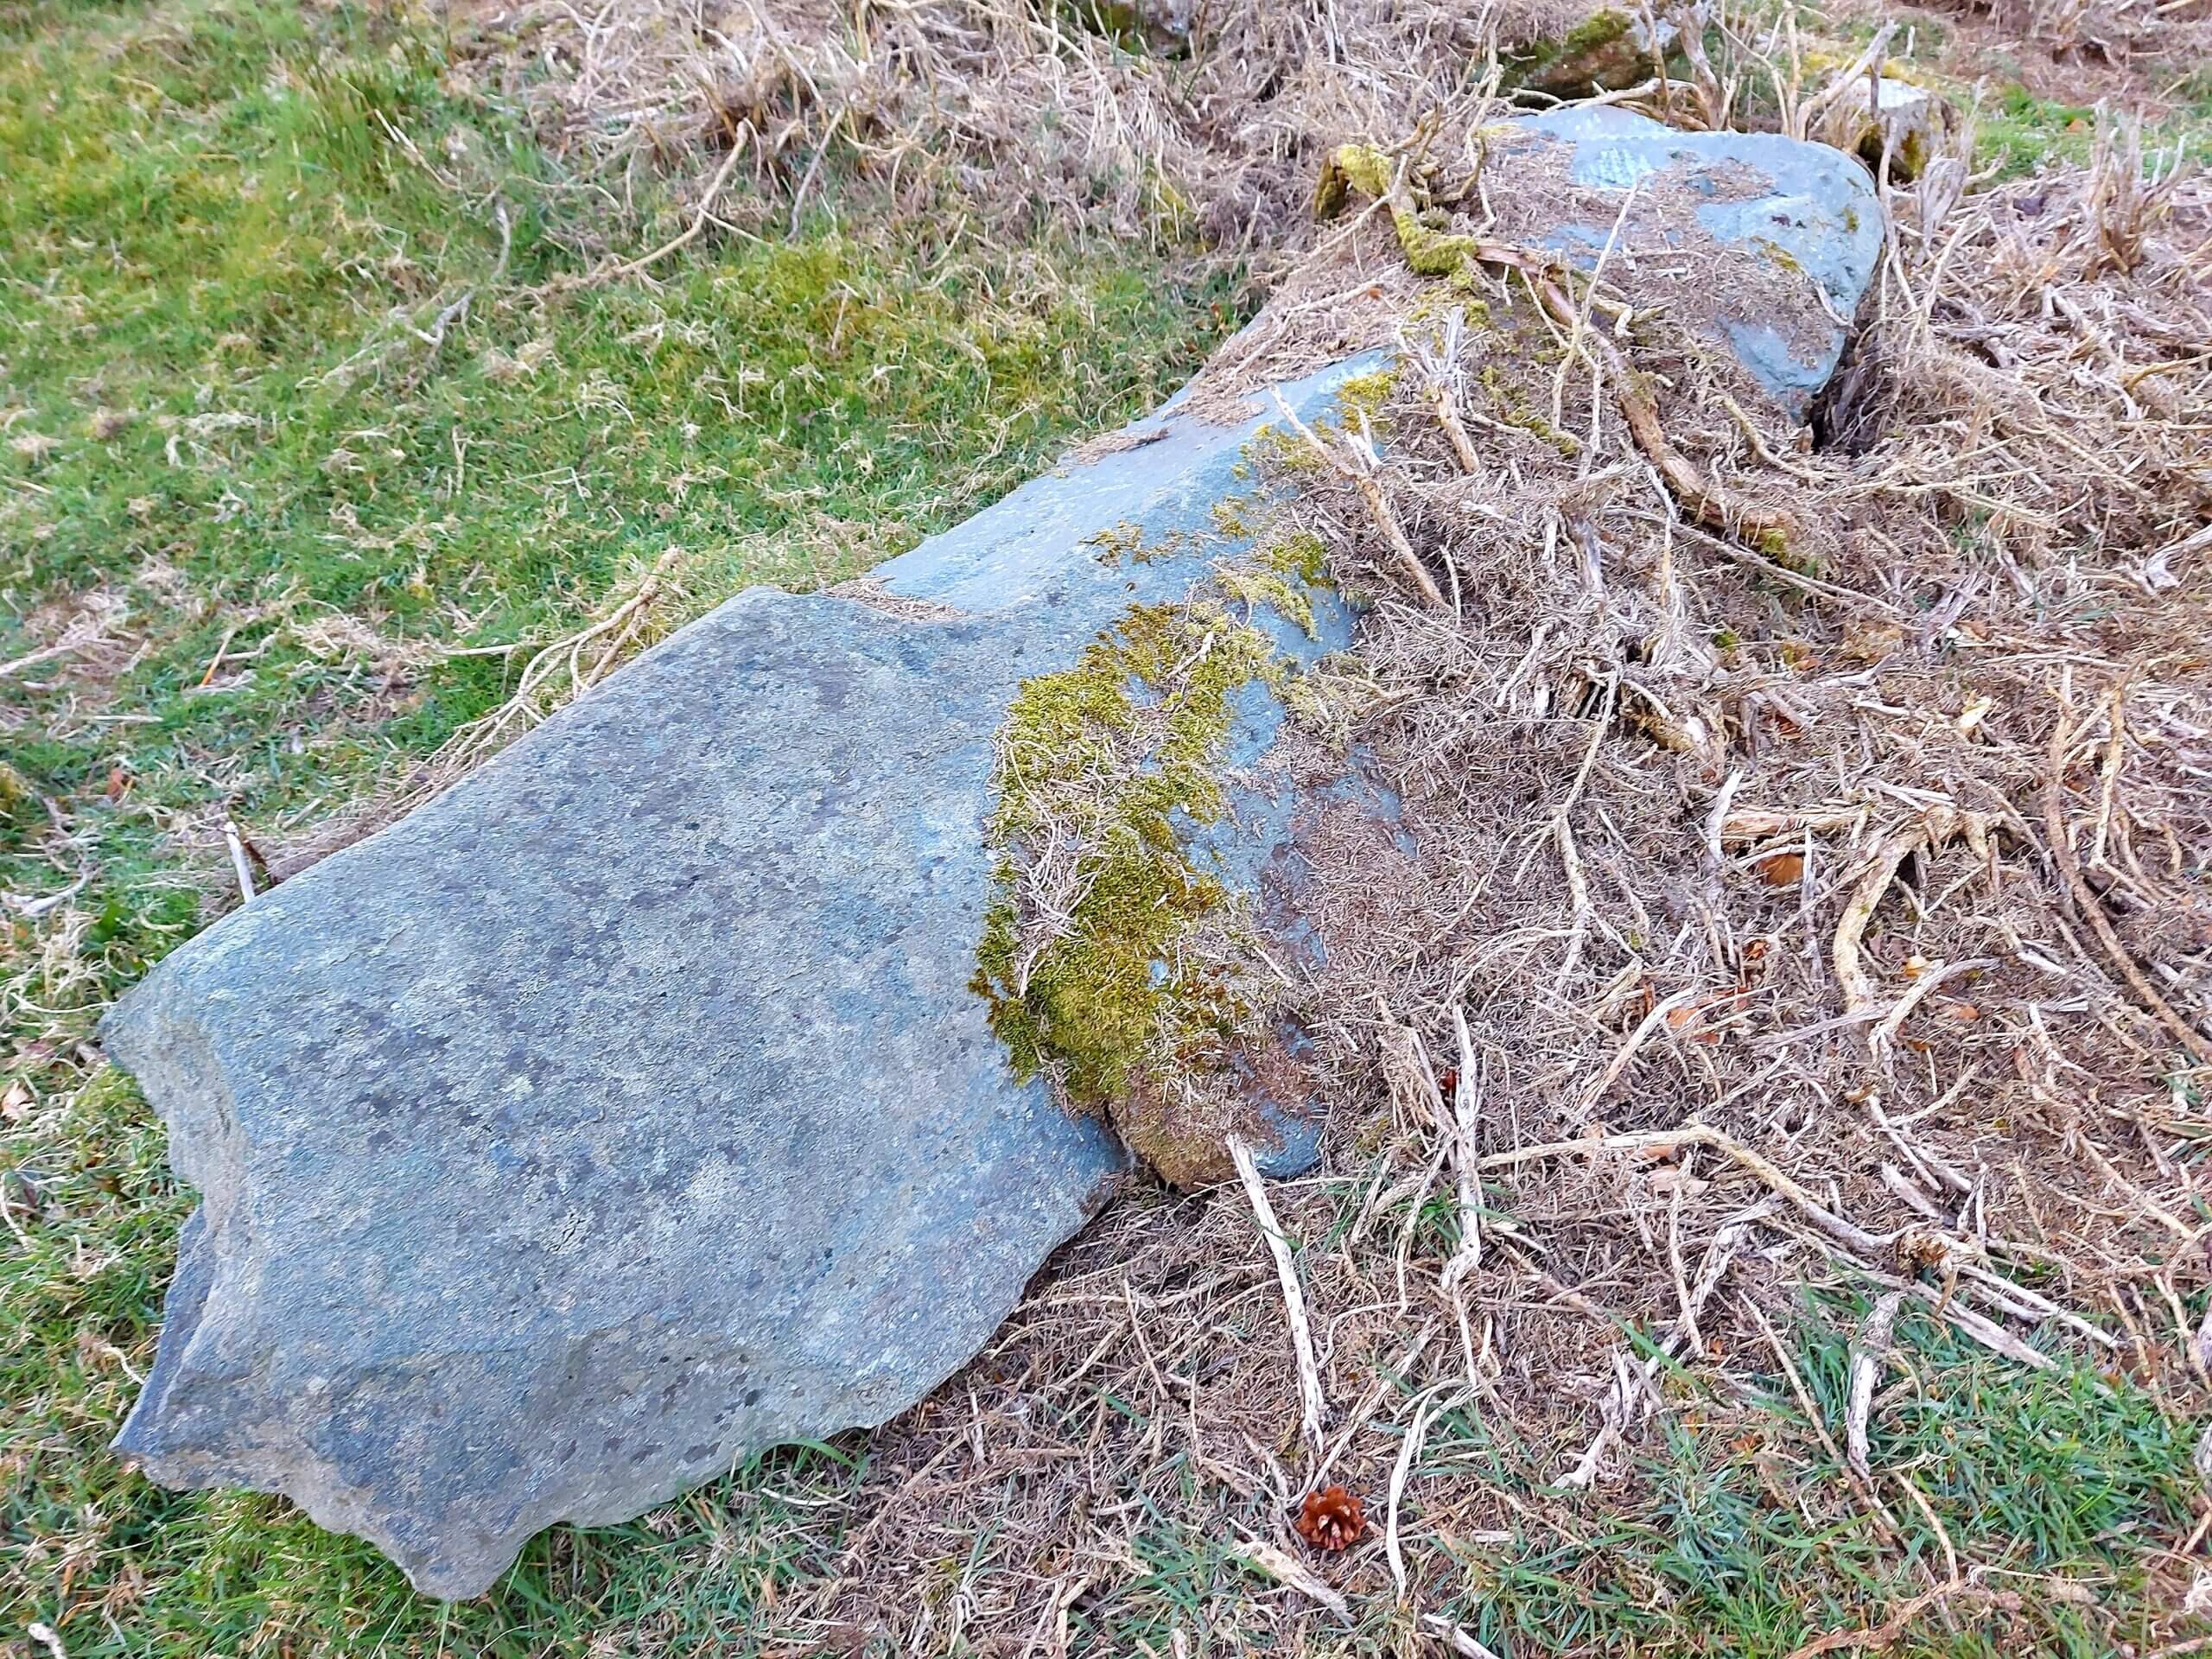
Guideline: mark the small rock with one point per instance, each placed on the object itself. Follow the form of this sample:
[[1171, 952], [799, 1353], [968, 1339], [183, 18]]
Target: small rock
[[1913, 125], [1608, 51], [1786, 259], [1161, 26]]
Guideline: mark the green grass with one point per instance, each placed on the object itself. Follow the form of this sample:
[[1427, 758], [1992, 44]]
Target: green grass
[[1735, 1533], [2016, 133], [1738, 1534], [2019, 132], [1752, 1541]]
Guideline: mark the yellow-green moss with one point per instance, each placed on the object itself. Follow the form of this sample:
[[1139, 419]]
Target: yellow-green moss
[[1600, 28], [1116, 542], [1300, 556], [1575, 57], [1124, 543], [1513, 412], [1229, 520], [1429, 252], [1369, 171], [1348, 167], [1775, 544], [1278, 450], [1779, 254], [1281, 575], [1109, 752], [1460, 292], [1366, 394], [1256, 586]]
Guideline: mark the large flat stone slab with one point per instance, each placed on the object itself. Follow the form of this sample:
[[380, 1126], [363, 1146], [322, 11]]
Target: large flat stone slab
[[626, 1108]]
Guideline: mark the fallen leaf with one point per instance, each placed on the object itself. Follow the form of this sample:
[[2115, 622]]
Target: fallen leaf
[[1666, 1182]]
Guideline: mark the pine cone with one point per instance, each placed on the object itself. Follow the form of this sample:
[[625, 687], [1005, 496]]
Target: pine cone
[[1332, 1519]]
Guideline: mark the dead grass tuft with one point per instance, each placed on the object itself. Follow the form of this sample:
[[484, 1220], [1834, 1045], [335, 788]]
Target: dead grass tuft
[[980, 114], [1821, 917], [2111, 30]]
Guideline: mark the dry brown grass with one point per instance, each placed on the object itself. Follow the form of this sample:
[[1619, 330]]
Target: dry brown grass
[[983, 115], [2112, 31], [1829, 922]]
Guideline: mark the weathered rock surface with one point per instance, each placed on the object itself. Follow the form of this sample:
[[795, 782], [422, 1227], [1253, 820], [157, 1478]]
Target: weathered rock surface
[[1913, 126], [628, 1109], [1611, 48], [1739, 204]]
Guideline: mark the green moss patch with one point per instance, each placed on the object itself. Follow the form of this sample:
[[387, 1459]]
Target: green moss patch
[[1109, 753], [1112, 959]]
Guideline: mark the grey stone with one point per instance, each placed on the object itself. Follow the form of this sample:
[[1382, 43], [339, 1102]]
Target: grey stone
[[1166, 28], [1803, 207], [1914, 126], [627, 1108]]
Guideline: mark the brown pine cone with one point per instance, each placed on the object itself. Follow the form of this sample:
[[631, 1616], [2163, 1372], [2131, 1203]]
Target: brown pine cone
[[1332, 1519]]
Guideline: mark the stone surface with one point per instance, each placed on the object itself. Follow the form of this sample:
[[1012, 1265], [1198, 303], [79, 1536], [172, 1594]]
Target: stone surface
[[1765, 200], [1914, 126], [1611, 50], [1164, 27], [628, 1109]]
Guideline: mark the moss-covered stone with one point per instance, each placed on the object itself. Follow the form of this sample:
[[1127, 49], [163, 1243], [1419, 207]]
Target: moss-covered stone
[[1283, 576], [1370, 171], [1124, 543], [1129, 972], [1364, 395], [1111, 752], [1606, 51]]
